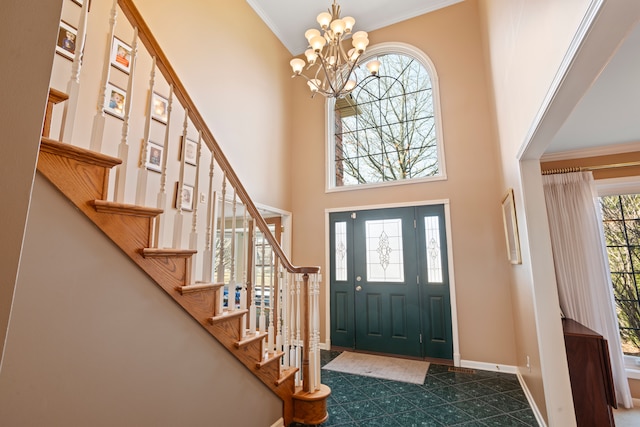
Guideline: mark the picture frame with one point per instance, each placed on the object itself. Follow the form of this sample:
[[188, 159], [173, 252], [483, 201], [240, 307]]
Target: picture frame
[[114, 101], [66, 42], [184, 198], [159, 108], [510, 221], [190, 150], [121, 55], [153, 159]]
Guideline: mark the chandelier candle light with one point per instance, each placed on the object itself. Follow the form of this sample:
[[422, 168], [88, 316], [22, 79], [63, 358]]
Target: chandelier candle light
[[327, 54]]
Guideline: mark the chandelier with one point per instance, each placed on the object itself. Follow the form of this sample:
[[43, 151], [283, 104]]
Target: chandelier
[[333, 65]]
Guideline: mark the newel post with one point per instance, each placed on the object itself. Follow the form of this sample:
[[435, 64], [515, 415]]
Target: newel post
[[306, 378]]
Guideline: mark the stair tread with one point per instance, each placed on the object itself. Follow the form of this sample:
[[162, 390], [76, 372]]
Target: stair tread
[[227, 315], [125, 209], [198, 287], [167, 252], [251, 338], [52, 146], [285, 374], [271, 357]]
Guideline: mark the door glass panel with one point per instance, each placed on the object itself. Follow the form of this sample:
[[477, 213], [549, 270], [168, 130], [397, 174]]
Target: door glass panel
[[341, 250], [384, 250], [432, 240]]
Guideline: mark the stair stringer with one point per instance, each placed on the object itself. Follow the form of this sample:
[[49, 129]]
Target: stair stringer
[[83, 176]]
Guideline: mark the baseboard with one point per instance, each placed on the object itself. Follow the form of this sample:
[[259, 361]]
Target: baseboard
[[508, 369], [325, 345], [532, 403], [279, 423]]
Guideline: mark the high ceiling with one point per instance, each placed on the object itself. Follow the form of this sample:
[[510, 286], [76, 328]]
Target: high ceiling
[[289, 19], [608, 114]]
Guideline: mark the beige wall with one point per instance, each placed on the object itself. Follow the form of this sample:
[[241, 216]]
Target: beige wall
[[451, 38], [543, 57], [95, 342], [523, 62], [24, 83], [238, 74]]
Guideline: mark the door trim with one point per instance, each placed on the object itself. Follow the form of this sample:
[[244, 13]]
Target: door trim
[[452, 286]]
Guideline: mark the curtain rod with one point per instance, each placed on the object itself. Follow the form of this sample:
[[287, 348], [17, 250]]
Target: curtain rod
[[589, 168]]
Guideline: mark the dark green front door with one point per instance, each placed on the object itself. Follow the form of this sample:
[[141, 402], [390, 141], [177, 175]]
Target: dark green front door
[[388, 281]]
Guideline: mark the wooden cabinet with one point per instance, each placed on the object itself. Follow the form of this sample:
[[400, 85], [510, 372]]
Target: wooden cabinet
[[590, 373]]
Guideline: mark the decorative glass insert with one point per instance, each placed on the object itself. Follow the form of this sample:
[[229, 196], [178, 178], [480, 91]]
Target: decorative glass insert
[[434, 257], [384, 250], [341, 250]]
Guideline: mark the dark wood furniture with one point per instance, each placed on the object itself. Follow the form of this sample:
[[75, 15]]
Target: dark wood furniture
[[590, 373]]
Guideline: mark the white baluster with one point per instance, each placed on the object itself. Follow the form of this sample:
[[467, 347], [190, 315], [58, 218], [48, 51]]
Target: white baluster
[[73, 86], [254, 275], [162, 193], [262, 320], [123, 148], [193, 237], [178, 218], [222, 239], [231, 299], [243, 287], [207, 264], [298, 351], [284, 333], [143, 172], [97, 131], [271, 341]]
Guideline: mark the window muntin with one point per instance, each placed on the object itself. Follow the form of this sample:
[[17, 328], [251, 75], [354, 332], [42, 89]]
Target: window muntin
[[387, 130], [621, 224]]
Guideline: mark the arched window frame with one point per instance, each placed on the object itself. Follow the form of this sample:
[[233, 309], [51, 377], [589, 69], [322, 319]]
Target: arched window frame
[[425, 61]]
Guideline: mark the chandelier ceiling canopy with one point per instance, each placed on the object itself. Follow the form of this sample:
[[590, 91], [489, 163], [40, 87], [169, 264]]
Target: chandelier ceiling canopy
[[330, 64]]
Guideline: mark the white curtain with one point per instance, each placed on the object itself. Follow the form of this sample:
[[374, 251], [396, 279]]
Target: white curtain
[[581, 265]]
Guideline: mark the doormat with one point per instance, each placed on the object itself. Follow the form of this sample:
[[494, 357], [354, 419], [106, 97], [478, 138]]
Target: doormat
[[388, 368]]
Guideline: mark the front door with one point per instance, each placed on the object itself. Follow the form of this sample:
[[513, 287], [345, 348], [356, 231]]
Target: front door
[[389, 286]]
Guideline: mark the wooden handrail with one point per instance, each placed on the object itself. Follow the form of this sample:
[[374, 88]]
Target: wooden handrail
[[163, 64]]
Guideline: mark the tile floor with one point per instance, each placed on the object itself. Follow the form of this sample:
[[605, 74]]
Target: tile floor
[[445, 399]]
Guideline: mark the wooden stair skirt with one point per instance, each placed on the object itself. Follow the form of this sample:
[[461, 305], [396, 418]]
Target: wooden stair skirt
[[83, 177]]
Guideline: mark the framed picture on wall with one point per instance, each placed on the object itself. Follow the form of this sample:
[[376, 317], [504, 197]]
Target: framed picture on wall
[[511, 228], [154, 157], [159, 108], [114, 101], [190, 151], [184, 198], [121, 55], [66, 43]]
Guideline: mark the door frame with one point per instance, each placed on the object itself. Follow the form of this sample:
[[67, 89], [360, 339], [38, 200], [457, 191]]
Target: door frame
[[452, 286]]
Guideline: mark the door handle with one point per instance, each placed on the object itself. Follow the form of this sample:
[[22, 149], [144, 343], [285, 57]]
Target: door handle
[[358, 288]]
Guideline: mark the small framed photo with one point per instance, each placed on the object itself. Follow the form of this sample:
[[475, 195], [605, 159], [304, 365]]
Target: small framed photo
[[184, 198], [66, 44], [114, 101], [121, 55], [159, 107], [511, 228], [190, 151], [154, 157]]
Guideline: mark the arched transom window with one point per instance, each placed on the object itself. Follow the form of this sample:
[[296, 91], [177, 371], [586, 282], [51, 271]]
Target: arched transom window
[[387, 130]]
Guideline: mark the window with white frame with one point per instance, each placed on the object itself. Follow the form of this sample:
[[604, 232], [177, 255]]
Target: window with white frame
[[387, 130], [620, 209]]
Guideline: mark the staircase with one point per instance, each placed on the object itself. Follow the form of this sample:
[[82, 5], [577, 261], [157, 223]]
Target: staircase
[[274, 329], [83, 176]]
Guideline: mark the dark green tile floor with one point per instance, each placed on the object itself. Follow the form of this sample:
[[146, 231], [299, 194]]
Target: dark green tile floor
[[445, 399]]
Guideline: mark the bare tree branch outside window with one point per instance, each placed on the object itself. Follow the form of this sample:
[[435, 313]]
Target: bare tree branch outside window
[[385, 130]]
